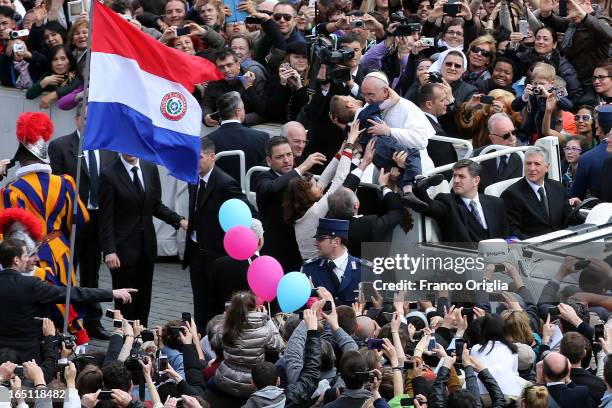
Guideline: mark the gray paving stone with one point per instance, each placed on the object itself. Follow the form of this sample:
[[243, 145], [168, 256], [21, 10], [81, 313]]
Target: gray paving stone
[[171, 296]]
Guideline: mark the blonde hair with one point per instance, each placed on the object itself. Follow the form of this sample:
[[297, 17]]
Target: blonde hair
[[535, 396], [485, 39], [516, 326], [544, 71]]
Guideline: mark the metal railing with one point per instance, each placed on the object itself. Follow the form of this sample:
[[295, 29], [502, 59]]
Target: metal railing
[[240, 154], [550, 144], [454, 140]]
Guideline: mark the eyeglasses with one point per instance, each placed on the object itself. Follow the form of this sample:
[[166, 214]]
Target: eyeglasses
[[286, 17], [584, 118], [453, 65], [572, 149], [268, 12], [484, 53], [507, 135], [457, 33], [600, 77]]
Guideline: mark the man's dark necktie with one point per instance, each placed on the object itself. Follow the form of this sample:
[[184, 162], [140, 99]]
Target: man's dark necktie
[[544, 201], [503, 163], [92, 166], [200, 193], [475, 214], [330, 267], [137, 183]]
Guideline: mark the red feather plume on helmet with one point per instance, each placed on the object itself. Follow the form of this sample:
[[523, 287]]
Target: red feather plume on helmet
[[32, 126], [29, 221]]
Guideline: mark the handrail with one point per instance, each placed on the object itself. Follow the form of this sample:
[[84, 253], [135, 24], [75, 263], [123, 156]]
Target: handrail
[[480, 158], [454, 140], [240, 155], [487, 148], [249, 174]]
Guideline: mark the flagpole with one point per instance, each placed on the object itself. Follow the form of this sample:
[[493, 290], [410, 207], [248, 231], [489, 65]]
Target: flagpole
[[75, 201]]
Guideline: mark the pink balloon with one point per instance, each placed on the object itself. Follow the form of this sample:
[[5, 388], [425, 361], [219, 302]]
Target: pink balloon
[[263, 276], [240, 242]]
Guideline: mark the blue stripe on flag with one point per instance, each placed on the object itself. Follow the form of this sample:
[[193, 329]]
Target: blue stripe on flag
[[117, 127]]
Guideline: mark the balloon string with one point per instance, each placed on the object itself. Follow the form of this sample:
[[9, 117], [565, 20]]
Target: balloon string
[[269, 311]]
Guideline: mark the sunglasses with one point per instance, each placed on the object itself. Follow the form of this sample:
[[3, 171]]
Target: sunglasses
[[584, 118], [507, 135], [572, 149], [453, 65], [601, 77], [286, 17], [268, 12], [484, 53]]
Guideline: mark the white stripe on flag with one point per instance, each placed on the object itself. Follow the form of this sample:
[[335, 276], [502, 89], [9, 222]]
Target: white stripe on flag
[[118, 79]]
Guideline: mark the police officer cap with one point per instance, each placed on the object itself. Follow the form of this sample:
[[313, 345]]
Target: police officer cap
[[604, 116], [329, 227]]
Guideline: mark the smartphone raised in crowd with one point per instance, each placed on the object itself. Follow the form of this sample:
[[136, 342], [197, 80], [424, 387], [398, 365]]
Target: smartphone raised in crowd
[[432, 344], [375, 344], [599, 332], [186, 317], [459, 345], [162, 363], [110, 313]]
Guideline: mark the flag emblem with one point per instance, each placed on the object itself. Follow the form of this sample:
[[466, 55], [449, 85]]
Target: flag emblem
[[173, 106]]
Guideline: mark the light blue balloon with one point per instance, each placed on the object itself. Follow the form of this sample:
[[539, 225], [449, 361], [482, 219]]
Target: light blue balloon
[[234, 212], [293, 291]]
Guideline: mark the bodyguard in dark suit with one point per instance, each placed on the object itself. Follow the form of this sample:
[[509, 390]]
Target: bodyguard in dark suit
[[22, 298], [130, 196], [433, 102], [334, 268], [279, 237], [501, 132], [536, 205], [63, 153], [556, 369], [464, 215], [232, 135], [204, 233]]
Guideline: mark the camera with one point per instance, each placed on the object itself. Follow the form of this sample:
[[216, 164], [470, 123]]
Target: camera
[[147, 335], [427, 41], [18, 47], [435, 78], [132, 363], [357, 24], [537, 91], [322, 52], [404, 28], [180, 31], [68, 340], [18, 33]]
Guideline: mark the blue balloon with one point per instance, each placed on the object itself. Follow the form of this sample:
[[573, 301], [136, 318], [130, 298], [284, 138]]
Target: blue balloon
[[234, 212], [293, 291]]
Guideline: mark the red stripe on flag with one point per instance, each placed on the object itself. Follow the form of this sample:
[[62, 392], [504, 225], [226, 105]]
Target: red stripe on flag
[[112, 34]]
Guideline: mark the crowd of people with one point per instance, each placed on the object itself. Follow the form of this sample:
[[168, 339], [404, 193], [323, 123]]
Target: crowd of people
[[354, 85]]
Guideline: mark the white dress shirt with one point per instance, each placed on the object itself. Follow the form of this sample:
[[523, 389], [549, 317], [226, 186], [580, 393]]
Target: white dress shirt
[[535, 189], [128, 168], [340, 263], [478, 208]]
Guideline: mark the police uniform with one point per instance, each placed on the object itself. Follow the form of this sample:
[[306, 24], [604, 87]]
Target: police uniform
[[340, 276]]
